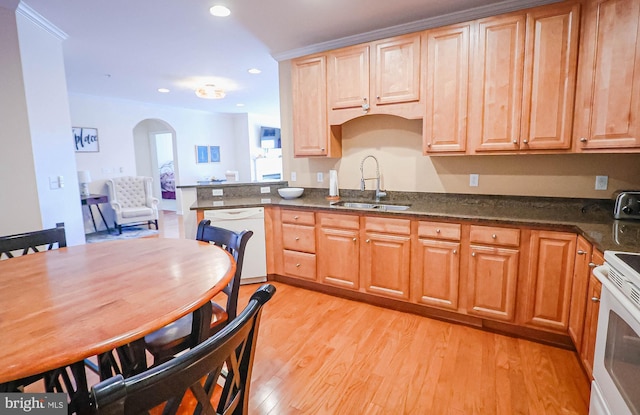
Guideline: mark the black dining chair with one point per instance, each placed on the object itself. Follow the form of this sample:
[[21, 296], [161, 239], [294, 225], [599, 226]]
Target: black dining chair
[[30, 242], [183, 333], [193, 379]]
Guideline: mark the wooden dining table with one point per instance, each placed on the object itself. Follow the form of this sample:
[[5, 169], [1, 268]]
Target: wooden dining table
[[62, 306]]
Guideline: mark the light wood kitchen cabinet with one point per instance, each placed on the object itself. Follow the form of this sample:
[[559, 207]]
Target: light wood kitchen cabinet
[[549, 280], [608, 92], [581, 272], [523, 81], [312, 135], [338, 250], [381, 77], [493, 272], [299, 243], [445, 60], [435, 265], [385, 256], [591, 324]]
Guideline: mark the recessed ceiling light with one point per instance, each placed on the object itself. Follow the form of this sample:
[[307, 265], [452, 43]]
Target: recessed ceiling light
[[254, 71], [164, 90], [220, 11], [239, 105]]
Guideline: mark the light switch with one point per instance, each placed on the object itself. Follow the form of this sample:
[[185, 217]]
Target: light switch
[[473, 180]]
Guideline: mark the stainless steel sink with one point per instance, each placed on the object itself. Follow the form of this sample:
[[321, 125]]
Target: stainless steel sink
[[371, 206]]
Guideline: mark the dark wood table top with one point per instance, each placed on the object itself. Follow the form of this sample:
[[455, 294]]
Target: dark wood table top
[[62, 306]]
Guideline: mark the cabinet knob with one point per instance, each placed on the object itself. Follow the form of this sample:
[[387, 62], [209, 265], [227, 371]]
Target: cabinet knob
[[595, 299], [428, 144], [437, 230], [581, 252], [515, 141], [455, 251], [367, 240], [378, 97], [322, 149], [364, 99], [494, 236], [298, 265], [296, 217], [355, 239], [525, 141], [473, 254], [297, 238], [365, 107], [592, 265], [583, 139]]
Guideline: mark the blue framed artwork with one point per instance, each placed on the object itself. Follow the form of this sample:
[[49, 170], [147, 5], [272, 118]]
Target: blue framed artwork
[[215, 154], [202, 154]]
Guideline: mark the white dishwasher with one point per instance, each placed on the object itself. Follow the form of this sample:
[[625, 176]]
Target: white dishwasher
[[254, 267]]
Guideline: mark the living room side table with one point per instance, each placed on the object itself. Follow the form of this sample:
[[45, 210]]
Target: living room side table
[[95, 200]]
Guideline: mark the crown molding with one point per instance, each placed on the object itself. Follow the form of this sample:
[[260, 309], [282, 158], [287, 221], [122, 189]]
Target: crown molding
[[417, 26], [35, 17]]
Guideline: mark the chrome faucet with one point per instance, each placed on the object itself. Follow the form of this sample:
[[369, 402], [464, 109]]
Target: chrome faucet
[[379, 194]]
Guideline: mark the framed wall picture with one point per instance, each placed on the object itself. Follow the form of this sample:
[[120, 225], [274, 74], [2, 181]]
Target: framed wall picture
[[85, 139], [202, 154], [215, 154]]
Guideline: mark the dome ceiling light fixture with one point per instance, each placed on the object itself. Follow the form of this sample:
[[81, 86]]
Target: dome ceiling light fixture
[[210, 91], [220, 11]]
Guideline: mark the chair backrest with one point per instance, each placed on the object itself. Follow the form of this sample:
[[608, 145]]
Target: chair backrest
[[130, 191], [197, 370], [235, 243], [22, 243]]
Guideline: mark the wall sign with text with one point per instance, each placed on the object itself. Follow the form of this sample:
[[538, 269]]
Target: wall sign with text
[[85, 139]]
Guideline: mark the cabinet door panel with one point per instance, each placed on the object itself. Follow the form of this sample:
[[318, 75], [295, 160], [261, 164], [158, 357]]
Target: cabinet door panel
[[550, 278], [591, 324], [385, 264], [496, 100], [396, 73], [436, 274], [348, 77], [608, 95], [309, 106], [581, 271], [550, 77], [447, 86], [492, 282], [338, 257]]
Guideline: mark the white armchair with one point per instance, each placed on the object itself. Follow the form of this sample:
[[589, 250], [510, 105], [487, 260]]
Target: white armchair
[[132, 201]]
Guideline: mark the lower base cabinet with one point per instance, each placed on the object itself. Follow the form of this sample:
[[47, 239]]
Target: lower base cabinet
[[338, 250]]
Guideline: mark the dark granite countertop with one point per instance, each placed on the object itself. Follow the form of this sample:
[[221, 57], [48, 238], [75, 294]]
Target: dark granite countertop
[[591, 218]]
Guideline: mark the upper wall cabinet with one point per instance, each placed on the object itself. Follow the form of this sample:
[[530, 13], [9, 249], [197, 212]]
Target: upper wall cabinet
[[523, 81], [312, 135], [445, 57], [608, 95], [380, 77]]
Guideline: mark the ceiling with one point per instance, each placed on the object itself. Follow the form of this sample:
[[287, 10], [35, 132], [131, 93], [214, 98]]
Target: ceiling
[[128, 49]]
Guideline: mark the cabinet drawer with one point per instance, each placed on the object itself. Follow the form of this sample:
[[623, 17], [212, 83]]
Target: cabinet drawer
[[301, 217], [330, 220], [490, 235], [439, 230], [300, 264], [387, 225], [298, 238]]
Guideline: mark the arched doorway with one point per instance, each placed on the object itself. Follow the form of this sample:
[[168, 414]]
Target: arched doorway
[[155, 154]]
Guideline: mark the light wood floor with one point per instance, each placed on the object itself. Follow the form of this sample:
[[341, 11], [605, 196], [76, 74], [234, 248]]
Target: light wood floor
[[319, 354]]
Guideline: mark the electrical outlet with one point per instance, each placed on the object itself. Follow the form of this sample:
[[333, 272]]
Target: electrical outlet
[[53, 182], [602, 182], [294, 176], [473, 180], [217, 192], [320, 177], [265, 189]]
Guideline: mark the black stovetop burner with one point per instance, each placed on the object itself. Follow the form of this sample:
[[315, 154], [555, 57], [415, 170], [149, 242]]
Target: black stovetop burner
[[632, 260]]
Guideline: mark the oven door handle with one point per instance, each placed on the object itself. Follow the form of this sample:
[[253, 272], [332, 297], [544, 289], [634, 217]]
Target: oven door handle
[[601, 272]]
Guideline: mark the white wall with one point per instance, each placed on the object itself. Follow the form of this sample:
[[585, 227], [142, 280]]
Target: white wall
[[116, 120]]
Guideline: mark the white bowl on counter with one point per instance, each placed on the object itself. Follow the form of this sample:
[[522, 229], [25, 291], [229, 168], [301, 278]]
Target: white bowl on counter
[[290, 192]]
